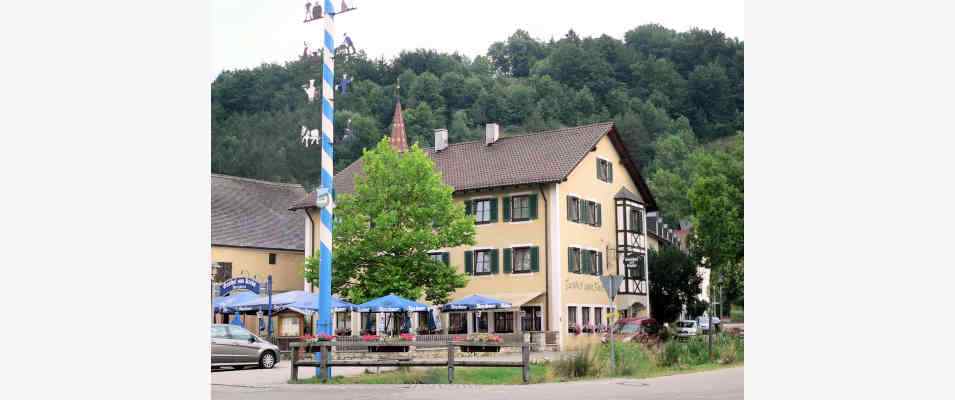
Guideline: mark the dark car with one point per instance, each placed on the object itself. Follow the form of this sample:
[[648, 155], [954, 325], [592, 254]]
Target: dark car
[[234, 346], [628, 329]]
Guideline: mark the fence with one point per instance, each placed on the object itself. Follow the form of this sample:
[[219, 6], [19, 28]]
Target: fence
[[325, 359]]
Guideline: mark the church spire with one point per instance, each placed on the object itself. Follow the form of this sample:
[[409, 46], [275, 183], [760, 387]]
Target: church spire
[[398, 140]]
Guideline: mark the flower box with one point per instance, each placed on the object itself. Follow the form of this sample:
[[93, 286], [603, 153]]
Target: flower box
[[480, 349], [407, 337]]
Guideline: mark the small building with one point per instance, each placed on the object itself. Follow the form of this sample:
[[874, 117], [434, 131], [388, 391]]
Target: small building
[[554, 211], [254, 235]]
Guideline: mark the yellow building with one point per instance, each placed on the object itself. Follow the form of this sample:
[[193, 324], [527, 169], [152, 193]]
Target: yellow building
[[253, 234], [554, 210]]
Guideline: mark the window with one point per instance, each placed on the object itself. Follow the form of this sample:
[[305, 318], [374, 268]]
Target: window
[[520, 208], [573, 259], [290, 326], [586, 314], [480, 321], [219, 332], [572, 319], [457, 323], [503, 322], [272, 257], [598, 316], [343, 323], [441, 257], [224, 272], [239, 333], [604, 170], [482, 211], [531, 319], [482, 264], [522, 259], [369, 323], [573, 209], [636, 220], [423, 321]]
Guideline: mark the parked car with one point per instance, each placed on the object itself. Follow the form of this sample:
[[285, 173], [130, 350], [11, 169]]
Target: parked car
[[704, 323], [235, 346], [687, 328], [629, 329]]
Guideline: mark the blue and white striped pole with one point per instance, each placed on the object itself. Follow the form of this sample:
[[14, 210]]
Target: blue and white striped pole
[[328, 153]]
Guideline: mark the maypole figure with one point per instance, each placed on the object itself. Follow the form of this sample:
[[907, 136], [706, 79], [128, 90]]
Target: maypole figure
[[312, 12]]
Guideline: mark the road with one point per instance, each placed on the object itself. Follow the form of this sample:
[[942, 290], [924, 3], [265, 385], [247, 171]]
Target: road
[[719, 384]]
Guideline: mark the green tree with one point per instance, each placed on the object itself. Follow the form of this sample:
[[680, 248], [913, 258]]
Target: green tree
[[400, 211], [717, 239], [674, 283]]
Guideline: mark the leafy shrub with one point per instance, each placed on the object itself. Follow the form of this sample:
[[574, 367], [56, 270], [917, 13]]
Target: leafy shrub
[[580, 364]]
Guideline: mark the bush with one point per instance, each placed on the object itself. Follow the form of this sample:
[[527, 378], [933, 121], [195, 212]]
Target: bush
[[695, 351], [581, 364]]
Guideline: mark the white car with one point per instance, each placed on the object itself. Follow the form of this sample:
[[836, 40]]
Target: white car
[[704, 323], [686, 328]]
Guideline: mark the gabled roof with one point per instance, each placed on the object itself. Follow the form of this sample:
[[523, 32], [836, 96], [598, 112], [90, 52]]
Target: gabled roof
[[253, 213], [542, 157]]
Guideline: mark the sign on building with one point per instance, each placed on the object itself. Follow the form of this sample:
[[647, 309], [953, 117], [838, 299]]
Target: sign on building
[[239, 283]]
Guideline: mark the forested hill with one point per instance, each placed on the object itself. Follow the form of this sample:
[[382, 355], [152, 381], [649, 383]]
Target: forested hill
[[656, 83]]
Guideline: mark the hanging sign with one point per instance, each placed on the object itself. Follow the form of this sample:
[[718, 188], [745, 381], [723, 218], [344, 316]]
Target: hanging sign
[[239, 283]]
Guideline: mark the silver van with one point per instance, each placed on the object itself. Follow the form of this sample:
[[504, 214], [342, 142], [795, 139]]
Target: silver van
[[235, 346]]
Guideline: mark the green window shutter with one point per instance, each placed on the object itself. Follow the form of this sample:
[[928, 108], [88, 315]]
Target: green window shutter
[[493, 210], [467, 207], [610, 172], [570, 259], [507, 260], [532, 205], [599, 216], [599, 175], [600, 263], [570, 206], [446, 258], [468, 262], [535, 260], [506, 203], [585, 262], [494, 261], [639, 222]]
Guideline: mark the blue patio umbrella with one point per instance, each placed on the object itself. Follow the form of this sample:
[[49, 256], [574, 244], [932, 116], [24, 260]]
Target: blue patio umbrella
[[224, 303], [391, 303], [261, 303], [475, 302], [236, 320], [310, 302]]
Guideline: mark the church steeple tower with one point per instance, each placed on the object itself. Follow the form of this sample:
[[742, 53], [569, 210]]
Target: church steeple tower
[[398, 139]]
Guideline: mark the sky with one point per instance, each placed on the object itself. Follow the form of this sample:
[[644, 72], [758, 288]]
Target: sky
[[247, 33]]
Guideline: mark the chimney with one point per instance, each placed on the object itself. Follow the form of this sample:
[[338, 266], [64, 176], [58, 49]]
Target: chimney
[[492, 132], [440, 139]]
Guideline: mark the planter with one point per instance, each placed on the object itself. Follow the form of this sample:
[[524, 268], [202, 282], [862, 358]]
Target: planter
[[387, 349], [481, 349]]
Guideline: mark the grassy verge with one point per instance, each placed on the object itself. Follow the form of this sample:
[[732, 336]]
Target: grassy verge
[[473, 376], [634, 360]]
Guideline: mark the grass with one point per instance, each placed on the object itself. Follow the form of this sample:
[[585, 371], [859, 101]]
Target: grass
[[634, 360], [472, 376]]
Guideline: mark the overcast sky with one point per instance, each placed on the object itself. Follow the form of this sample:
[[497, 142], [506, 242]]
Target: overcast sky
[[246, 33]]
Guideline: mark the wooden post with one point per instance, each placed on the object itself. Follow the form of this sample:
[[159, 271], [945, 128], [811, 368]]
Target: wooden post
[[525, 361], [450, 362], [323, 363], [294, 360]]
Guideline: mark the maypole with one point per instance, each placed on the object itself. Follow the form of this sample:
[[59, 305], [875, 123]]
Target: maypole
[[325, 199]]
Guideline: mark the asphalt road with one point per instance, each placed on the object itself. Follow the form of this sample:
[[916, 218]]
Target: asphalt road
[[716, 385]]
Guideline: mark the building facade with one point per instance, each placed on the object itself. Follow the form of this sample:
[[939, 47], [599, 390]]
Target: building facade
[[554, 211], [253, 235]]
